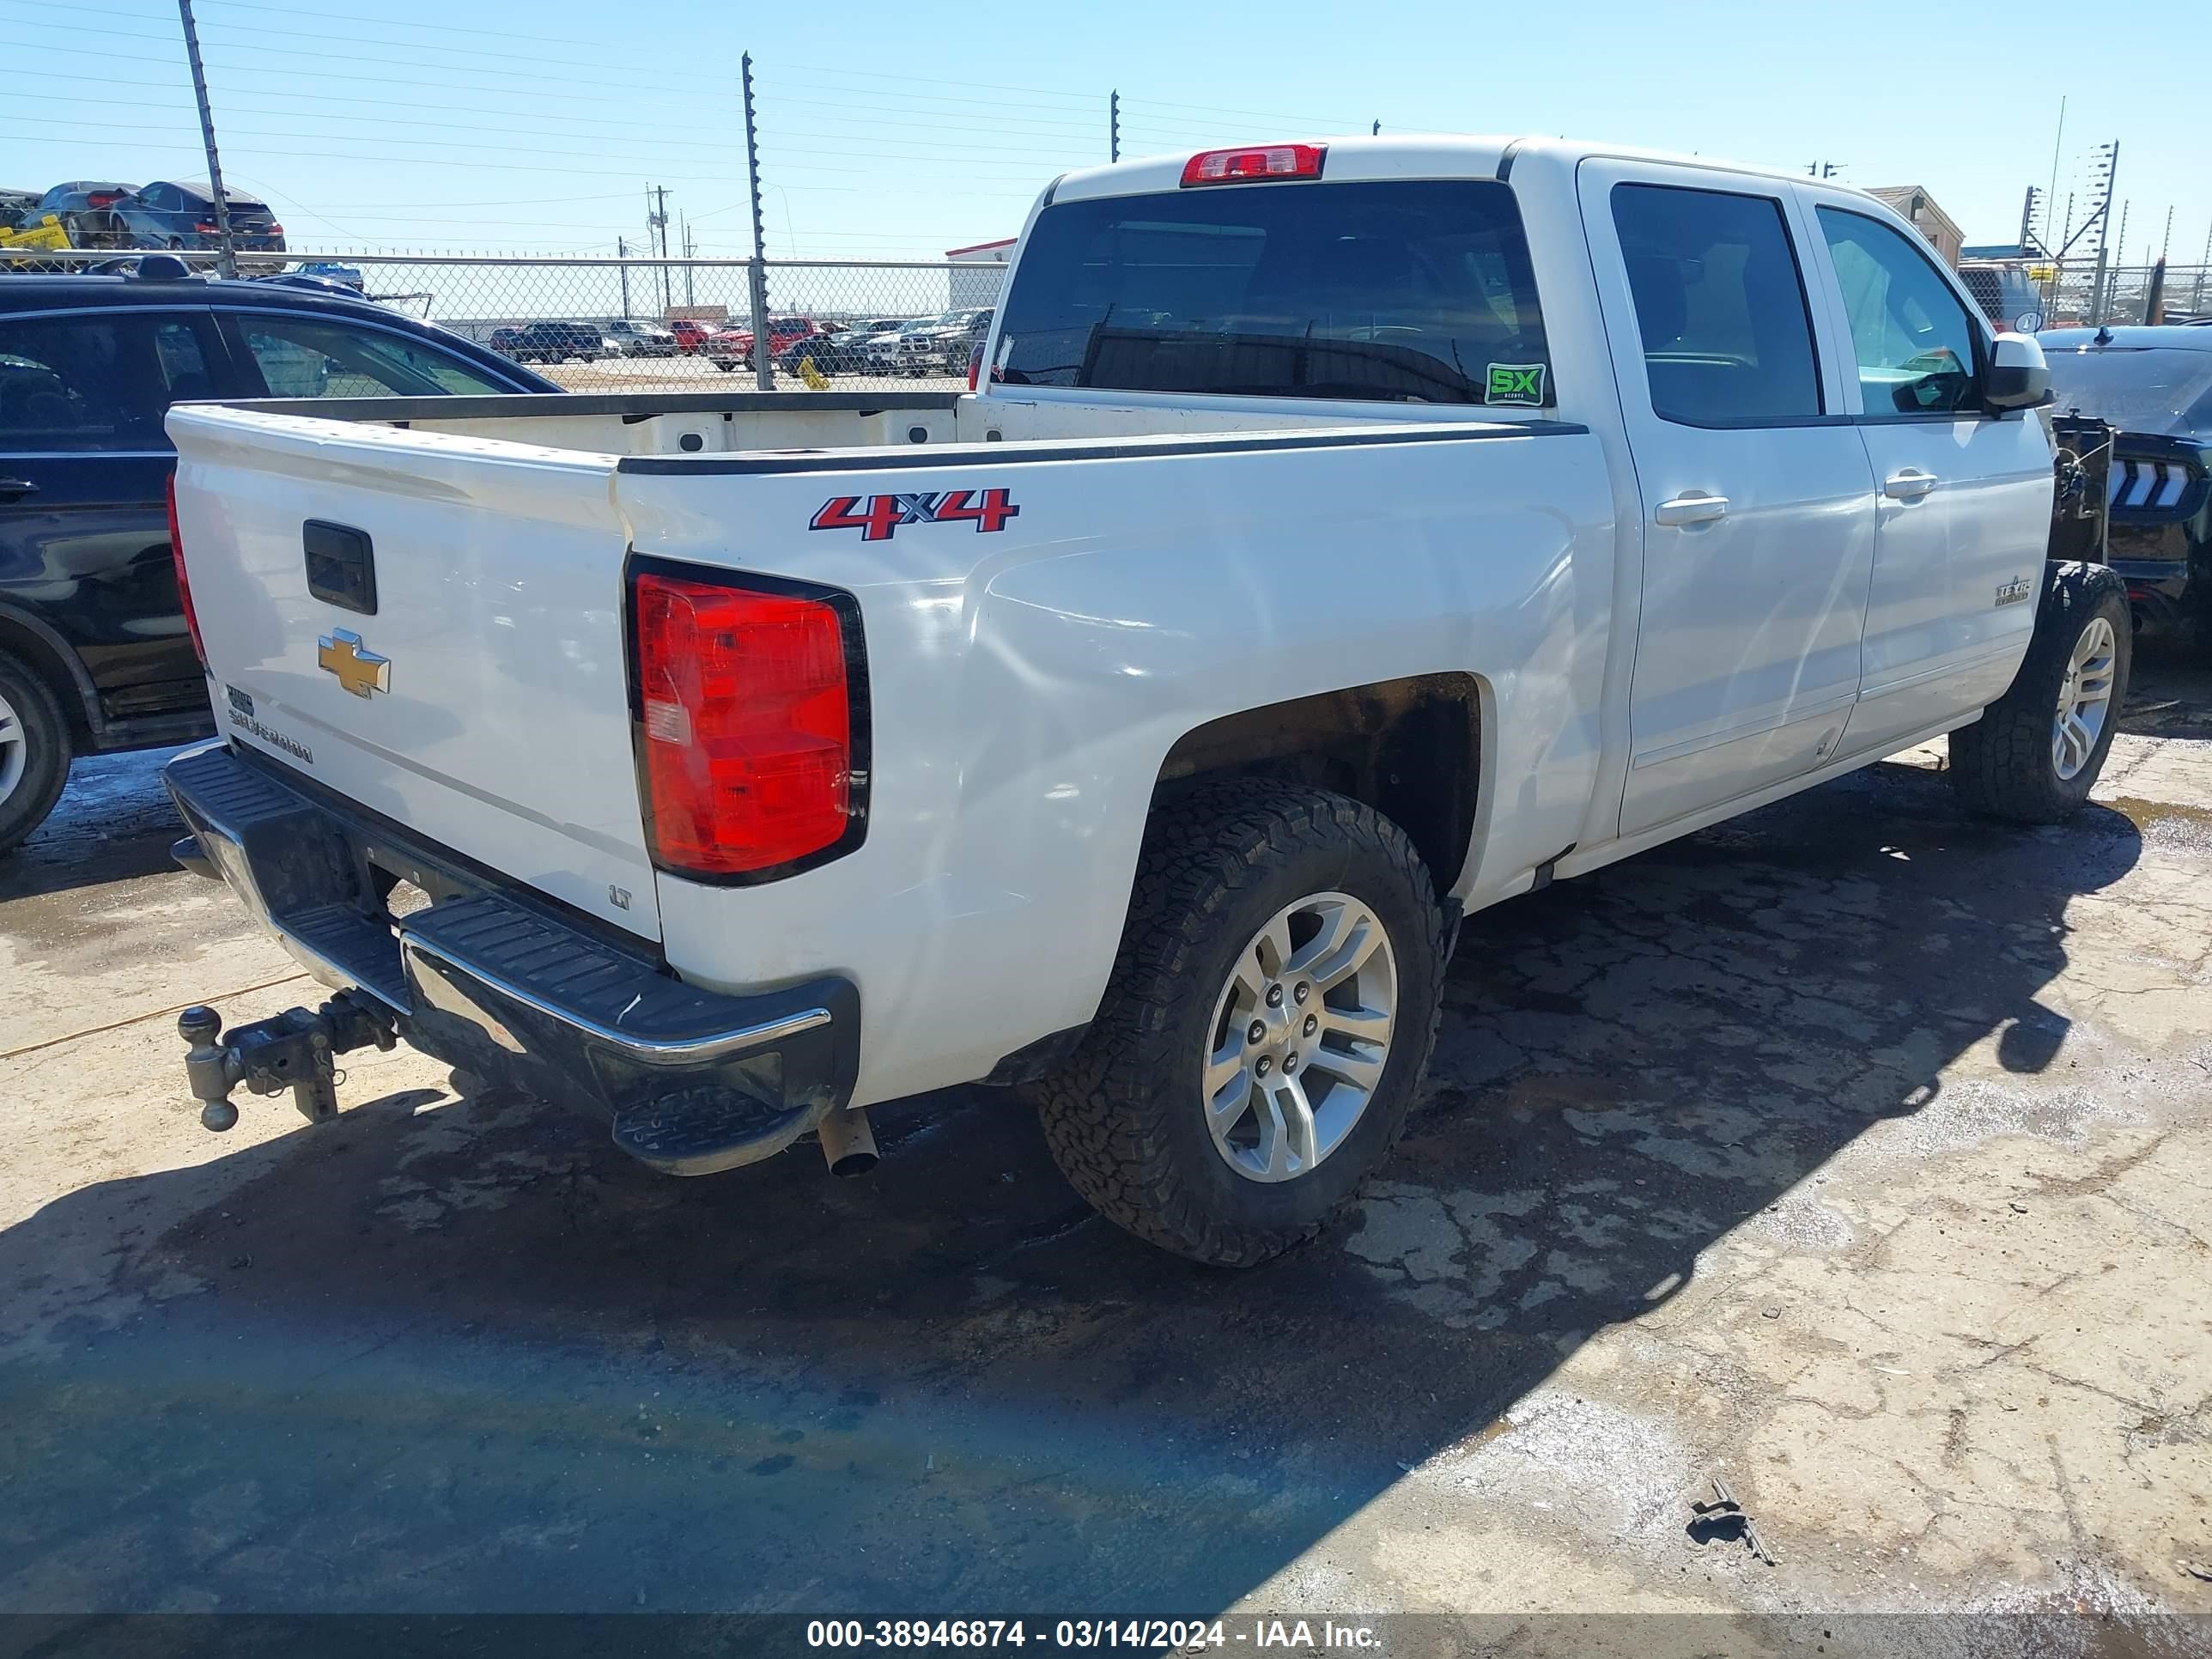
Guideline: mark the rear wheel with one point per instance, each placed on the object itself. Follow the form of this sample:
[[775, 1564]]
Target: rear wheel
[[1270, 1013], [2035, 753], [35, 751]]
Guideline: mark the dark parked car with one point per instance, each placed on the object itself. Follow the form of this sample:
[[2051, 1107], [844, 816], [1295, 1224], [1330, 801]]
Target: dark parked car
[[2155, 385], [94, 650], [172, 215], [87, 211], [551, 343]]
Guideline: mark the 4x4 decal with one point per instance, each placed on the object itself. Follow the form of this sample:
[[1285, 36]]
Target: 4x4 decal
[[883, 515]]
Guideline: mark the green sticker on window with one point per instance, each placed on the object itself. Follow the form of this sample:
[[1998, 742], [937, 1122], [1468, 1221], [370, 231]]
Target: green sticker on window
[[1516, 383]]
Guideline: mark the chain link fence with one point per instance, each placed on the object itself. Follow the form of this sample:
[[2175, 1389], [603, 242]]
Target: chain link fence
[[2077, 292], [608, 324], [618, 325]]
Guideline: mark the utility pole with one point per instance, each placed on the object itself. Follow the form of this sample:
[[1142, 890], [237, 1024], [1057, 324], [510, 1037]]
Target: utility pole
[[1114, 126], [1825, 169], [690, 251], [660, 224], [763, 363], [621, 252], [2027, 217], [226, 260], [1375, 131]]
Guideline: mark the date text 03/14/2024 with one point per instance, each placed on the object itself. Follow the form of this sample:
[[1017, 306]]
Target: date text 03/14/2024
[[1147, 1635]]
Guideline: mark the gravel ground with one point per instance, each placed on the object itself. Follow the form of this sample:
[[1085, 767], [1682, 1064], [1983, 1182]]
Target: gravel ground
[[1854, 1152]]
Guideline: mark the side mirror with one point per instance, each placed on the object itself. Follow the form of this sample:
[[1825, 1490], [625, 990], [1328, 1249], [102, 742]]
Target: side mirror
[[2018, 376]]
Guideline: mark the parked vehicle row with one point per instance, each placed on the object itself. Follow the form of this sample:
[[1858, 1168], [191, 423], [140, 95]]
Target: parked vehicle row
[[551, 342], [1553, 502], [883, 346], [166, 214], [96, 649]]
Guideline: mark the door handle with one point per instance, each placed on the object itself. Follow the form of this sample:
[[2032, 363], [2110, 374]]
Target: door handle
[[1691, 506], [11, 488], [1910, 485]]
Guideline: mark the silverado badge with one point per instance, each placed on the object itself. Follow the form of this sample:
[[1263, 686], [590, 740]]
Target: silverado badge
[[360, 671]]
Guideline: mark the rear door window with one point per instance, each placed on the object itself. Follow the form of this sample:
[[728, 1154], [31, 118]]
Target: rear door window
[[1728, 337], [96, 384], [1413, 291]]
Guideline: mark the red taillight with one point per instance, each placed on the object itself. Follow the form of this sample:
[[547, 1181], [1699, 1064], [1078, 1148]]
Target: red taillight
[[102, 198], [745, 725], [975, 364], [1231, 167], [276, 230], [184, 584], [207, 230]]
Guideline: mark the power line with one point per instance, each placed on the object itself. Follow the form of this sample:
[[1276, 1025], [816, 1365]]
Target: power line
[[997, 158]]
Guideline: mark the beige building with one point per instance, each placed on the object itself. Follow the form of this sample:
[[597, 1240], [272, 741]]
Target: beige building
[[1930, 220]]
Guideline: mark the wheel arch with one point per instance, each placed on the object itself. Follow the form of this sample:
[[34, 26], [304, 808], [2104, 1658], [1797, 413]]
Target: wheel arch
[[38, 647], [1412, 749]]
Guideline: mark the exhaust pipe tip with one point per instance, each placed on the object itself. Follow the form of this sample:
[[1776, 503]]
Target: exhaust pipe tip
[[848, 1142]]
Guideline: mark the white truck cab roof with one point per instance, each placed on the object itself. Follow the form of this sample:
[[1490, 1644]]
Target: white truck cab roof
[[1424, 155]]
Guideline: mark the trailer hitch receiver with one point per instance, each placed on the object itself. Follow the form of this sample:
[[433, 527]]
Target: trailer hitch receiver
[[292, 1050]]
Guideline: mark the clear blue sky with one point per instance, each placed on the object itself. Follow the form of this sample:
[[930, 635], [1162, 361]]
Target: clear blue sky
[[903, 128]]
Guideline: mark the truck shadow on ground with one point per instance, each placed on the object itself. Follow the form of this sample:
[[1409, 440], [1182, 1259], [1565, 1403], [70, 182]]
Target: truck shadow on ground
[[462, 1354]]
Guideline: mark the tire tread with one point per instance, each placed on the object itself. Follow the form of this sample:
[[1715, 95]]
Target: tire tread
[[1103, 1115], [2001, 765]]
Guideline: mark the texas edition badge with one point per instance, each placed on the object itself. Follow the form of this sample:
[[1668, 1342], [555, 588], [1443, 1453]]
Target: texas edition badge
[[1516, 383]]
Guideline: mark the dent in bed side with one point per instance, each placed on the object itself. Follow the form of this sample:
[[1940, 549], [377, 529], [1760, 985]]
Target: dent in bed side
[[1030, 690]]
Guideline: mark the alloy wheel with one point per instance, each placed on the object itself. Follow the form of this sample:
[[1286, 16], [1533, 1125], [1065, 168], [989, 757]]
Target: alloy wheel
[[1300, 1037], [14, 749], [2085, 698]]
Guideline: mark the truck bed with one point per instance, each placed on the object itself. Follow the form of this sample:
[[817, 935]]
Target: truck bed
[[1025, 669], [719, 422]]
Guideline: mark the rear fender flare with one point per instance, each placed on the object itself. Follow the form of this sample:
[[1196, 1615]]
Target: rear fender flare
[[52, 655]]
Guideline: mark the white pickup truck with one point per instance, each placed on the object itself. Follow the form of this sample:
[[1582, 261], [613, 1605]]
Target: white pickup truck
[[1343, 538]]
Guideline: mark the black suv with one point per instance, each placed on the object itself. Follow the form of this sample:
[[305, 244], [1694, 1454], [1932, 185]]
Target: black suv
[[94, 651], [549, 343]]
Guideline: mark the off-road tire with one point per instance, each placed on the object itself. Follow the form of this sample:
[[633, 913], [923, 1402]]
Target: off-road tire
[[47, 760], [2002, 764], [1124, 1119]]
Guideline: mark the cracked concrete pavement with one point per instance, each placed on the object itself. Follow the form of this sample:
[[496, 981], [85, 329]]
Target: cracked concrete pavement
[[1855, 1153]]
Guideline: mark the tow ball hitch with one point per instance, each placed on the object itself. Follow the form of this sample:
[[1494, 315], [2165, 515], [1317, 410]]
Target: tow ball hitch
[[291, 1050]]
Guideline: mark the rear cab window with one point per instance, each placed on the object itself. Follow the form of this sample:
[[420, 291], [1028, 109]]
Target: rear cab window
[[1400, 291]]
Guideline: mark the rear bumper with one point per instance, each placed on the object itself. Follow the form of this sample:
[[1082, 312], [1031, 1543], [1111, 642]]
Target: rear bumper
[[492, 980]]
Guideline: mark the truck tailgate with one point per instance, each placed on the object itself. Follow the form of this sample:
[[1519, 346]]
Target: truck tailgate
[[456, 660]]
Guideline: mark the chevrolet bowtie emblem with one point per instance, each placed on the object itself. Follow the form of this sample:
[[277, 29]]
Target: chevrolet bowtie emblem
[[360, 671]]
